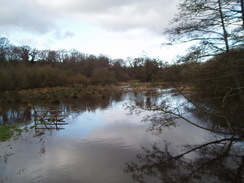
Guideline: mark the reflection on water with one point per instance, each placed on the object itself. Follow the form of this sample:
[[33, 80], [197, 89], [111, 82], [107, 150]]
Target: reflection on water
[[10, 114], [22, 113], [218, 159], [221, 160], [102, 143]]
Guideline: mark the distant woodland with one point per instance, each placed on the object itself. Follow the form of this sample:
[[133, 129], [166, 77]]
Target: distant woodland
[[23, 67]]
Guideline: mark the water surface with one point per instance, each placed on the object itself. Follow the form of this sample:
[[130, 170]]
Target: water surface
[[95, 146]]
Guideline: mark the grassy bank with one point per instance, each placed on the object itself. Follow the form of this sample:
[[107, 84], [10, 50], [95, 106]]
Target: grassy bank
[[55, 94]]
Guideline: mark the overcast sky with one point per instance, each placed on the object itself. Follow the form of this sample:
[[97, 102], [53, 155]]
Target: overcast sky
[[116, 28]]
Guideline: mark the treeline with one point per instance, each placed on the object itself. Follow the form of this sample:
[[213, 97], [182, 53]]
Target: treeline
[[23, 67]]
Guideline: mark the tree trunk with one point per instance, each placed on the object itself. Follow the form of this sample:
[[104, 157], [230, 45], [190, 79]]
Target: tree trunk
[[225, 34]]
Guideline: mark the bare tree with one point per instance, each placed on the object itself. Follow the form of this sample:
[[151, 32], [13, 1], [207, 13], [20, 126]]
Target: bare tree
[[212, 25], [24, 52], [33, 53]]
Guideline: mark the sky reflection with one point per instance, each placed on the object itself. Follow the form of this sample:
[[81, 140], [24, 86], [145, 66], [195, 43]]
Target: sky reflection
[[92, 148]]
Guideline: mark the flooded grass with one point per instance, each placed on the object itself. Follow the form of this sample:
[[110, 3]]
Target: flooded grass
[[6, 132], [137, 86], [55, 94]]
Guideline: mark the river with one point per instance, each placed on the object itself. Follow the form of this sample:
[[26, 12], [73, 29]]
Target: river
[[100, 143]]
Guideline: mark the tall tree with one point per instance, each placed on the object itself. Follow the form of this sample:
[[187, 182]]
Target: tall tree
[[150, 69], [216, 28], [213, 25]]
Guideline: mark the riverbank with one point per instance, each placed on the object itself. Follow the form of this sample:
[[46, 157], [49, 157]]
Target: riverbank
[[55, 94], [52, 96], [28, 98]]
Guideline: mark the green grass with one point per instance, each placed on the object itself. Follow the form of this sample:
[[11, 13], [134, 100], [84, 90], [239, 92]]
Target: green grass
[[6, 132]]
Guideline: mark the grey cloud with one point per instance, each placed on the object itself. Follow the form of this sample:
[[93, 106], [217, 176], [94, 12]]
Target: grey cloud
[[68, 34], [124, 15], [42, 43], [98, 6], [59, 34], [26, 15], [41, 16]]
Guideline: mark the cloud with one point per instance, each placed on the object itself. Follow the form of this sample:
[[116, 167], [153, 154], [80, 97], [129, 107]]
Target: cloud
[[118, 28], [150, 15], [25, 15], [40, 42], [42, 16], [124, 15], [59, 34]]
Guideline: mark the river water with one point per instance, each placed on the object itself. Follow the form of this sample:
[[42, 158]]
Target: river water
[[96, 145]]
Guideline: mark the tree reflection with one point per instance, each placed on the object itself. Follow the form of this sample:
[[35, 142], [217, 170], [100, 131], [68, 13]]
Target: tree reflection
[[166, 112], [216, 161], [17, 113], [221, 159], [13, 114]]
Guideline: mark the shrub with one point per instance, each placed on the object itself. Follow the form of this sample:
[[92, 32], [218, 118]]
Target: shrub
[[24, 76], [103, 76]]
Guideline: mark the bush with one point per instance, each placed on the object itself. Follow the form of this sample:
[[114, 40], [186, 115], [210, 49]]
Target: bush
[[219, 88], [221, 75], [103, 76], [24, 76]]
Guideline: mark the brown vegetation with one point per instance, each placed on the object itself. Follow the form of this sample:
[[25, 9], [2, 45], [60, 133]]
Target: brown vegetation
[[55, 94]]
